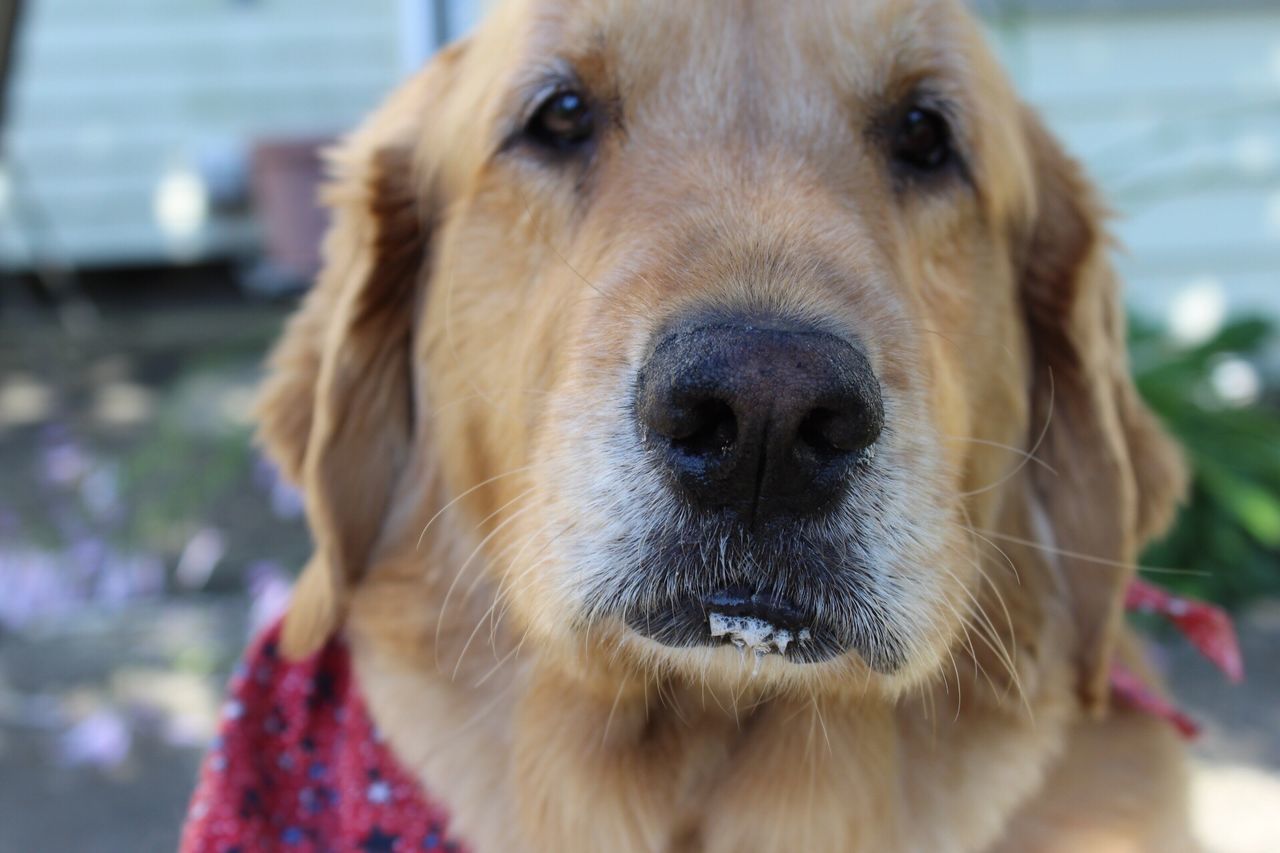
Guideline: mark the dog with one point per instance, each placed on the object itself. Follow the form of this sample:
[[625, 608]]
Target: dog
[[716, 434]]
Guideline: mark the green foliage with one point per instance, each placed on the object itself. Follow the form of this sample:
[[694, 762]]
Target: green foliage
[[1226, 540]]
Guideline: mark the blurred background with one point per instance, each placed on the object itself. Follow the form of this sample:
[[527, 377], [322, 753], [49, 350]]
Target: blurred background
[[157, 170]]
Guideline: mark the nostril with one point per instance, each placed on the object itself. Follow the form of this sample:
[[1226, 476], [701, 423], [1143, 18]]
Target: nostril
[[705, 429], [830, 433], [817, 432]]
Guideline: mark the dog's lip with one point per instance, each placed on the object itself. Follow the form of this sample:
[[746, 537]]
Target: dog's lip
[[778, 612], [686, 622]]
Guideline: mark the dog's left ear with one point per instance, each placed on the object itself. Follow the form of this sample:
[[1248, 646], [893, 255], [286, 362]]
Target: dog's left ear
[[337, 410], [1118, 475]]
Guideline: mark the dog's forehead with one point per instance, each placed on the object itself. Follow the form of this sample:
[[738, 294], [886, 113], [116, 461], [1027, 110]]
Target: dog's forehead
[[737, 51], [739, 84]]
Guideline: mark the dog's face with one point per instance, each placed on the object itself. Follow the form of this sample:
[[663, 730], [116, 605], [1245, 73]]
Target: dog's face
[[714, 320], [714, 291]]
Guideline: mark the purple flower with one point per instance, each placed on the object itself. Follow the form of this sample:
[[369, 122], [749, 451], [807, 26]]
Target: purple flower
[[102, 740], [32, 585], [286, 500], [63, 463], [129, 577], [37, 584], [269, 588]]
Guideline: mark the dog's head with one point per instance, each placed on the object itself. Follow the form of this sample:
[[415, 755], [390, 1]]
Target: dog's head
[[705, 325]]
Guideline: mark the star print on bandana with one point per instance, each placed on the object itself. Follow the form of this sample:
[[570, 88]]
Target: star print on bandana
[[298, 766]]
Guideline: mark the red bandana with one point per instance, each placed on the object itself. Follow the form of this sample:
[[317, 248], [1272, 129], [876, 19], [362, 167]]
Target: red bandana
[[299, 766], [1207, 627]]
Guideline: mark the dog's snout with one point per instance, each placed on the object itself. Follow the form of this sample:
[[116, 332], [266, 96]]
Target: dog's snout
[[764, 419]]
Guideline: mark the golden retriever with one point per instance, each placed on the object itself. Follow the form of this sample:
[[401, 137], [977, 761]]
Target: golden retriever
[[716, 433]]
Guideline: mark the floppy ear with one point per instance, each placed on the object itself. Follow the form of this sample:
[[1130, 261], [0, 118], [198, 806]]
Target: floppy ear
[[1118, 475], [337, 409]]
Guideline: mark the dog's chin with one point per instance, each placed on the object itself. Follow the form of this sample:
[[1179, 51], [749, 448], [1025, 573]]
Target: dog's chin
[[795, 599]]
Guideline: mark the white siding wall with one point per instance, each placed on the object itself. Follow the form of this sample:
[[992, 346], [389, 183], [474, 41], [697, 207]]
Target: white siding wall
[[112, 96], [1177, 115]]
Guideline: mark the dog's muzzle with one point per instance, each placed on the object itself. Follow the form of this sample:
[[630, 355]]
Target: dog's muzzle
[[758, 426]]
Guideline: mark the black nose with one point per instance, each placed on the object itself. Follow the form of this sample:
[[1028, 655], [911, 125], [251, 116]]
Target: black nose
[[762, 418]]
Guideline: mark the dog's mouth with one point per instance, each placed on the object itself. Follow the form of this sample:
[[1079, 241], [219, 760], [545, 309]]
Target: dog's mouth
[[798, 596], [756, 623]]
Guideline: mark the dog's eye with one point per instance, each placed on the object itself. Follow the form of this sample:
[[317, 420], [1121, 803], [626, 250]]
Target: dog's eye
[[922, 140], [564, 121]]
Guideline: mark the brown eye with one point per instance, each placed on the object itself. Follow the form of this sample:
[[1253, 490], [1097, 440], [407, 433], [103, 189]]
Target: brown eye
[[562, 122], [922, 140]]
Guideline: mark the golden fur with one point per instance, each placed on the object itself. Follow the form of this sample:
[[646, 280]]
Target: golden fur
[[448, 399]]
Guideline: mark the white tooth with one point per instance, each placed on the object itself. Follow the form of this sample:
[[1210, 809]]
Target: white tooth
[[760, 651], [749, 632]]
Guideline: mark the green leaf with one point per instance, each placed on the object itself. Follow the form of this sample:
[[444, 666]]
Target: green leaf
[[1255, 508]]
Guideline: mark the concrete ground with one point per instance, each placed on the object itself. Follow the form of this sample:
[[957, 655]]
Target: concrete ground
[[140, 541], [1236, 786]]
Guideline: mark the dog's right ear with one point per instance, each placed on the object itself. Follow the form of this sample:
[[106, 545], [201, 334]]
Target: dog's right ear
[[337, 410]]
